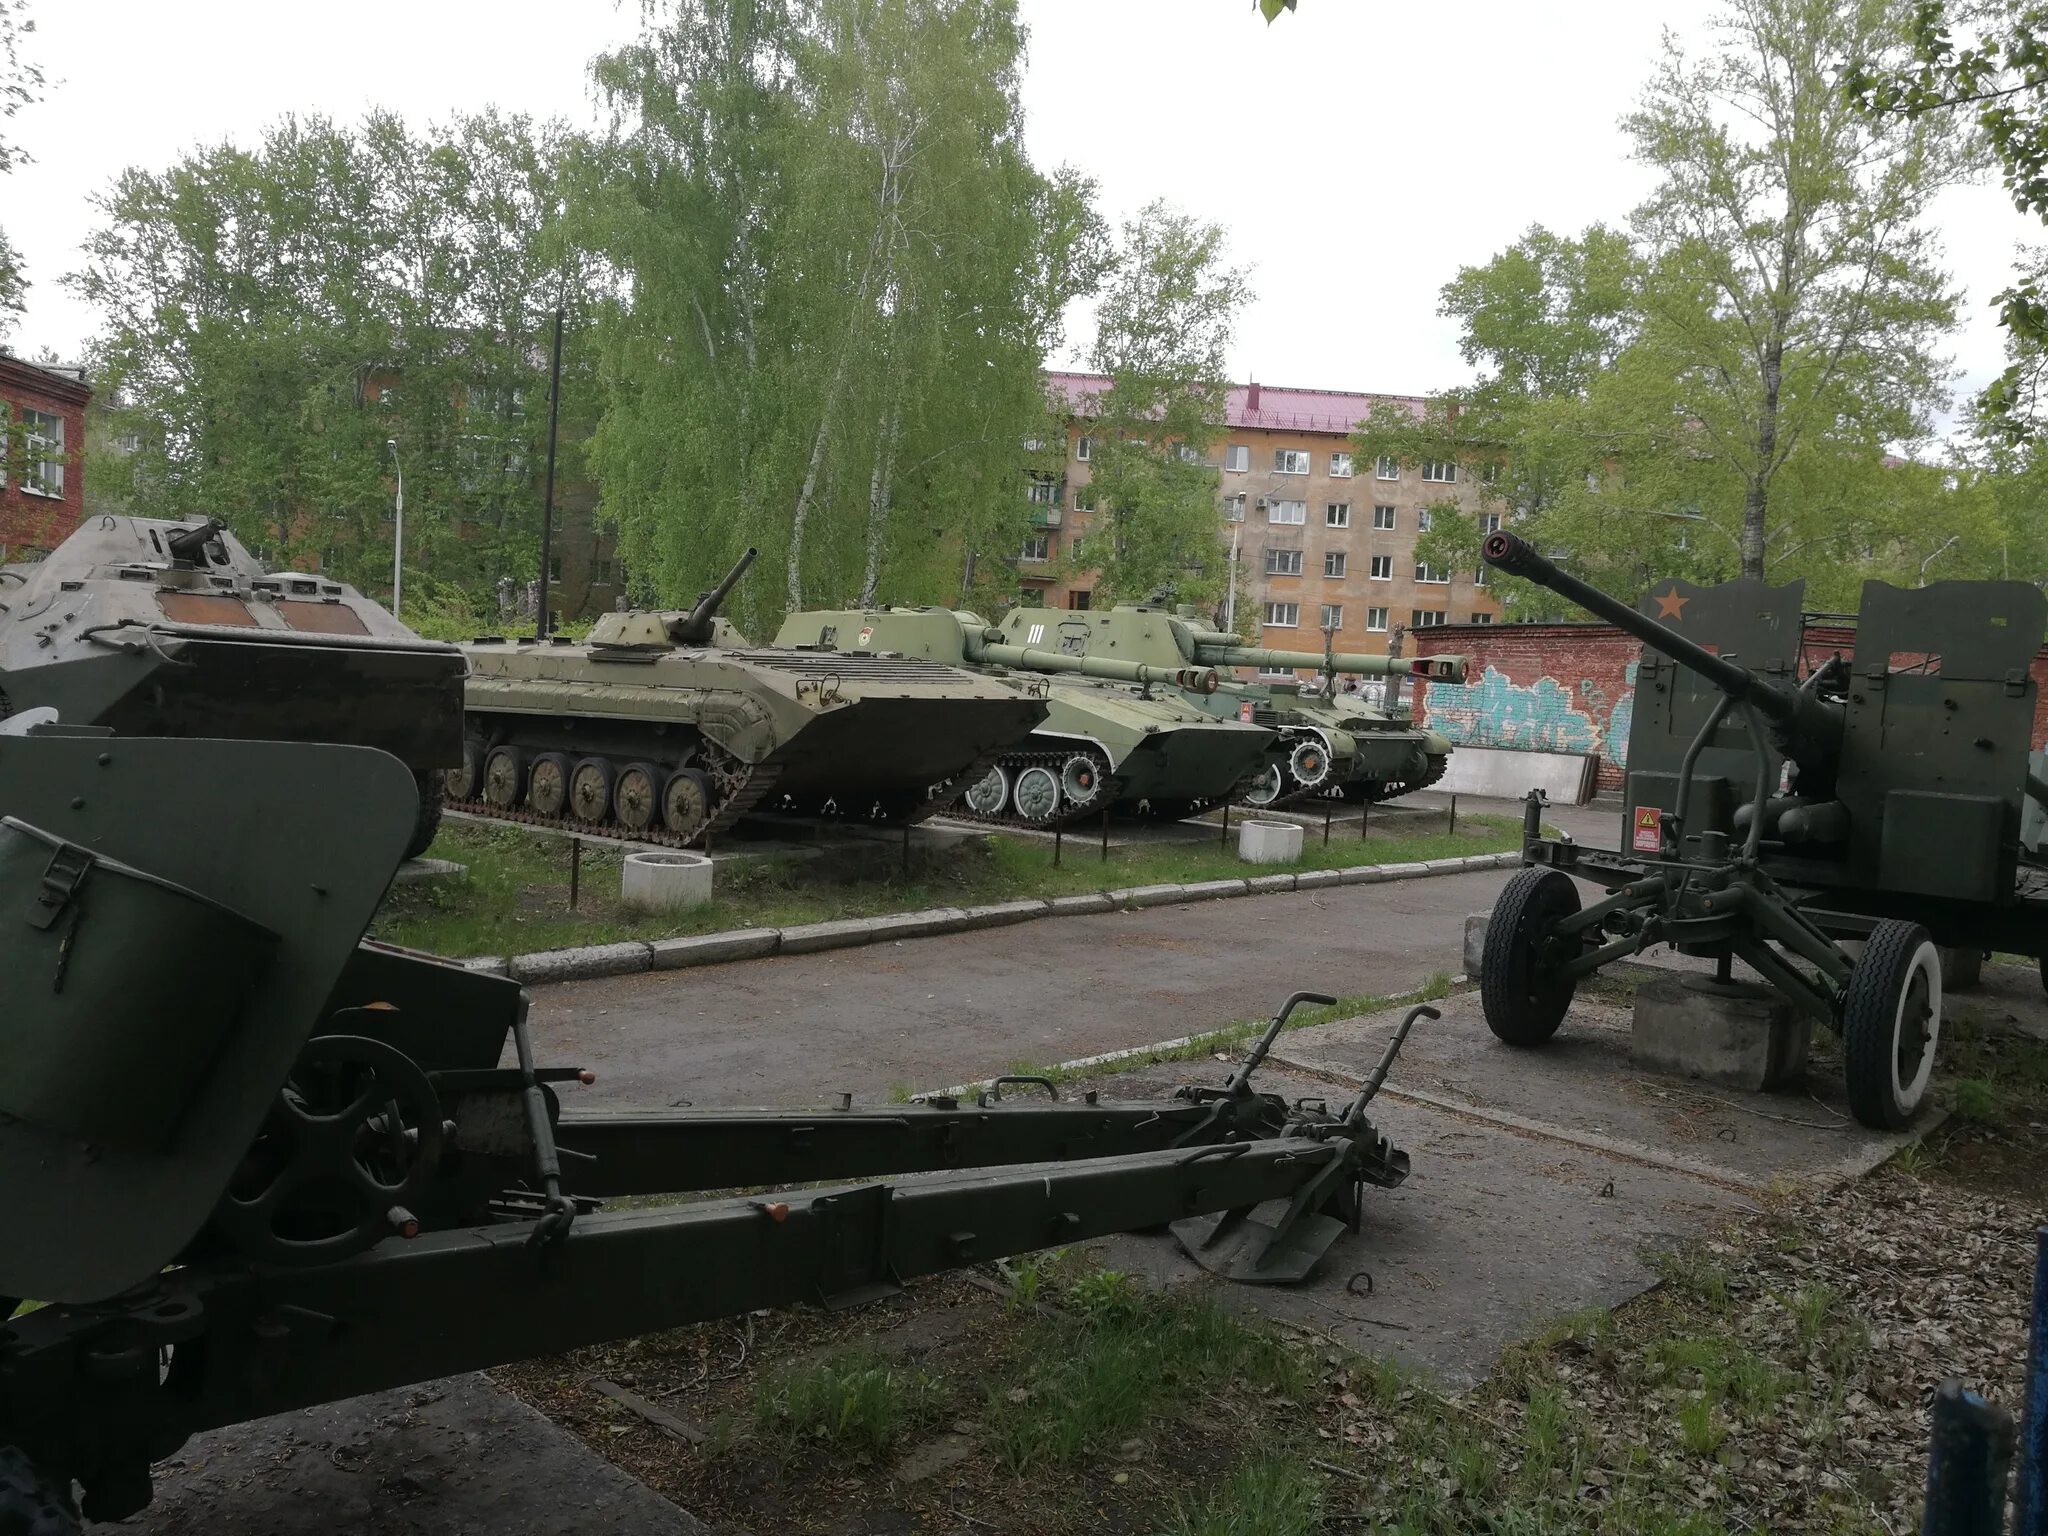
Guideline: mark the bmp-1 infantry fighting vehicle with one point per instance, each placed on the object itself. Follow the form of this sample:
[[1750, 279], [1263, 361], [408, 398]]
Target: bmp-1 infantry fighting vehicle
[[1339, 745], [1119, 734], [669, 726], [253, 1164], [157, 628], [1774, 811]]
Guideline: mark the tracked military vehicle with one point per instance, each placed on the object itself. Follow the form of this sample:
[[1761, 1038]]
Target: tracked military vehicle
[[1118, 734], [1336, 745], [669, 727], [156, 628]]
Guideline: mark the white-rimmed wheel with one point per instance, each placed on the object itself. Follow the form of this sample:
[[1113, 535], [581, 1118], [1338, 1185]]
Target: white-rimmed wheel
[[1036, 794], [1891, 1023], [1309, 763], [1080, 780], [1266, 785], [990, 793]]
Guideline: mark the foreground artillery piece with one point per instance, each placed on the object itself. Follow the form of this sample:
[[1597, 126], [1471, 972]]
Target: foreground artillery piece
[[1773, 817], [251, 1163], [156, 628], [1337, 746], [668, 726]]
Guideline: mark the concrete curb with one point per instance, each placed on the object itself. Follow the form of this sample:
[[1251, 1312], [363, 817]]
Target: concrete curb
[[591, 961]]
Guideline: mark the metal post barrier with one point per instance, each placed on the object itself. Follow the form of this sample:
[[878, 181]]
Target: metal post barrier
[[1364, 811], [2030, 1498], [1969, 1459], [1224, 840], [1454, 816], [1105, 831], [1329, 810], [575, 869], [906, 850], [1056, 843]]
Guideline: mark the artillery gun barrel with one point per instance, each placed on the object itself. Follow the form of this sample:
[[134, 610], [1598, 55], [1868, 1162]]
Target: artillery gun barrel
[[1229, 651], [709, 604], [1110, 669]]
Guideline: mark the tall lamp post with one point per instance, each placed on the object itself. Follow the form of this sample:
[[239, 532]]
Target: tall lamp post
[[398, 534]]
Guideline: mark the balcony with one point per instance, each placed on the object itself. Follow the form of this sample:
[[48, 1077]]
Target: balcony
[[1045, 517]]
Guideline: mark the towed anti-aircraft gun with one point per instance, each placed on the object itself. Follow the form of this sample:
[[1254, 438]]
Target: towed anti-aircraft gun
[[1770, 817], [1337, 744], [1118, 732], [252, 1164]]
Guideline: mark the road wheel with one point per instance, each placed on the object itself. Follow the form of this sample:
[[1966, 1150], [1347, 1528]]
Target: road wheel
[[462, 780], [1080, 780], [1523, 1004], [636, 796], [1037, 794], [1891, 1022], [685, 803], [31, 1504], [547, 784], [504, 776], [590, 790], [427, 821], [1267, 785], [1309, 764], [990, 793]]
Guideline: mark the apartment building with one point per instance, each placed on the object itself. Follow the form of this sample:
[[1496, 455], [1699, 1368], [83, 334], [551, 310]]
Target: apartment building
[[1320, 542], [42, 456]]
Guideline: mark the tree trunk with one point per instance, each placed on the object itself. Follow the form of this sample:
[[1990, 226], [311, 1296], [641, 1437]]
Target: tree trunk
[[1757, 494], [878, 503]]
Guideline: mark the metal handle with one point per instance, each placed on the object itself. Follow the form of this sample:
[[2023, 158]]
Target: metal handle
[[993, 1092], [1372, 1084], [1257, 1053]]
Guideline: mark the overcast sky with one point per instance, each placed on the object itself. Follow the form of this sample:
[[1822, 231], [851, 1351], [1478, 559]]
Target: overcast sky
[[1358, 153]]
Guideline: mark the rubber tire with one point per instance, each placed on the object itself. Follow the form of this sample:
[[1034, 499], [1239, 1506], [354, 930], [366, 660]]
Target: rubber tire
[[1872, 1008], [466, 782], [604, 770], [426, 822], [483, 787], [656, 782], [560, 760], [31, 1504], [1277, 775], [703, 788], [1519, 1010]]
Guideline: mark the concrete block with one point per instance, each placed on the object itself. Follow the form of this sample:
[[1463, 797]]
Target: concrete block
[[1507, 774], [582, 963], [848, 932], [1362, 874], [1962, 969], [490, 965], [1075, 906], [1315, 879], [1402, 871], [1269, 842], [714, 948], [1263, 885], [1446, 866], [1475, 940], [427, 871], [664, 880], [1148, 895], [1744, 1038], [998, 914], [1211, 890]]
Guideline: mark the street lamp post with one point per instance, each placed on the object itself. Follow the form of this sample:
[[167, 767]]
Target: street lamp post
[[398, 534]]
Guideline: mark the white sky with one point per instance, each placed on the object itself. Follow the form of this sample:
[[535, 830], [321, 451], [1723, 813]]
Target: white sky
[[1359, 152]]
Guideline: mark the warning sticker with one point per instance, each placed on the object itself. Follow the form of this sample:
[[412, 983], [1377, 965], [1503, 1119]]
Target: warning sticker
[[867, 633], [1649, 835], [1244, 711]]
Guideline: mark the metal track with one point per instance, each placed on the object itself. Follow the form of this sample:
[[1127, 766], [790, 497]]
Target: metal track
[[1357, 792], [759, 780], [938, 797], [1016, 762]]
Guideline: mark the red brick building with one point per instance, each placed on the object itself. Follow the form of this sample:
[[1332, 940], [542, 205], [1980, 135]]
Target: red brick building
[[42, 469]]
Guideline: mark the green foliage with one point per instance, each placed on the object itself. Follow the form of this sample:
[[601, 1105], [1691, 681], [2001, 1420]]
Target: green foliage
[[1700, 1429], [21, 84], [1270, 1495], [853, 1401]]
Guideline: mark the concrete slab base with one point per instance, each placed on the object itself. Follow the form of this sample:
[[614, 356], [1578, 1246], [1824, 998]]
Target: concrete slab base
[[428, 871], [1737, 1035]]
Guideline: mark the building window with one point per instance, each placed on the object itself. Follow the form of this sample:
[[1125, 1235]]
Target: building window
[[1334, 561], [1283, 615], [1031, 597], [42, 443], [1044, 491], [1479, 577], [1078, 600], [1383, 519], [1482, 618], [1283, 562], [1290, 461], [1429, 573], [1386, 468], [1333, 616], [1376, 620], [1286, 511], [1489, 522], [555, 568], [1337, 515], [1037, 548], [1382, 568], [1237, 458], [1083, 446], [1425, 618], [1422, 519], [604, 573], [1340, 466], [1489, 474], [1441, 471], [1233, 508]]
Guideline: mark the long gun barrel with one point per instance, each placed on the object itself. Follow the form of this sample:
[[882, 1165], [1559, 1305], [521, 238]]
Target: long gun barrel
[[1229, 651], [694, 627], [1109, 669]]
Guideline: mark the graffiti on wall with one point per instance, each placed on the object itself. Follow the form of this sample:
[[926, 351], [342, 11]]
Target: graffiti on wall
[[1541, 716]]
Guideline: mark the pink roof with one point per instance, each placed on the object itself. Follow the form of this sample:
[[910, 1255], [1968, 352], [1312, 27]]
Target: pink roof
[[1271, 406]]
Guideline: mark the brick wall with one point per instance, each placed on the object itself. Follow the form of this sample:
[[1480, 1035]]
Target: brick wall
[[1572, 687], [30, 521]]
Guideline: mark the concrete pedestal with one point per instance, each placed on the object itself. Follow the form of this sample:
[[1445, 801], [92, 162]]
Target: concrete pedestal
[[1269, 842], [1736, 1035], [665, 882]]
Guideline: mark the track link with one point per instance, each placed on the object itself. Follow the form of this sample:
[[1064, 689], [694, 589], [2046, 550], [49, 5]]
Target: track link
[[1358, 792], [757, 783], [1017, 762]]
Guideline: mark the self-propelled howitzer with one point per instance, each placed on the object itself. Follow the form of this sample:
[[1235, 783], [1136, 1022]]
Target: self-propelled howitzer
[[1342, 745], [1122, 733]]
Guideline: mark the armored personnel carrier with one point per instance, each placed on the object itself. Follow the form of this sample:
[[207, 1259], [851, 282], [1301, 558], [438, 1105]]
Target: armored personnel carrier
[[1334, 745], [155, 628], [669, 727], [1117, 732]]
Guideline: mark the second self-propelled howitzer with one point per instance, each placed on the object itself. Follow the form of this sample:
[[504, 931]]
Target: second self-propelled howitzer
[[1336, 744], [1118, 733], [1776, 807]]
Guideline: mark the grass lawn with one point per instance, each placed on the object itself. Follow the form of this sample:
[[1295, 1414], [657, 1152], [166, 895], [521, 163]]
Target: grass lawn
[[515, 897]]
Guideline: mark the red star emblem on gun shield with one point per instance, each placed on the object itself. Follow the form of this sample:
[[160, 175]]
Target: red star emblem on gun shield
[[1670, 605]]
